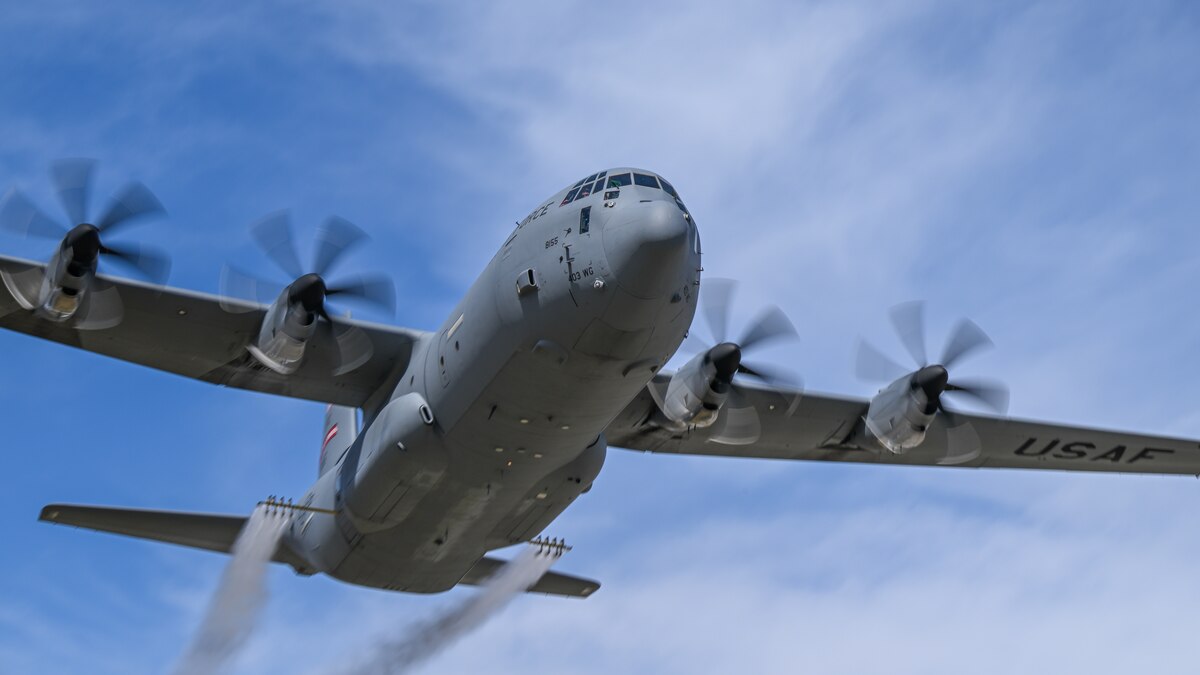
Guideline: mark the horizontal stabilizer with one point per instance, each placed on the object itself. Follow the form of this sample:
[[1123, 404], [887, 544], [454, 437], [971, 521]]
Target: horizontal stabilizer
[[199, 530], [551, 583]]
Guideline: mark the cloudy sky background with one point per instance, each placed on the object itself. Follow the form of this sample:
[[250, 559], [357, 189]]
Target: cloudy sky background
[[1031, 165]]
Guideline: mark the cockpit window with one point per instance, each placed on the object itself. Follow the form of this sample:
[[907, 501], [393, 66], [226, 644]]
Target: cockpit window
[[580, 190], [670, 190], [644, 180], [619, 180]]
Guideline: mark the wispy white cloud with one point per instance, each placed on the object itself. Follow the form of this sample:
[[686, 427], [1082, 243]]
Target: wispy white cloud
[[1031, 165]]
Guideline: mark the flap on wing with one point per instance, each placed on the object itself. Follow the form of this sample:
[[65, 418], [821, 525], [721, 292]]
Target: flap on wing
[[207, 531], [551, 583], [188, 333]]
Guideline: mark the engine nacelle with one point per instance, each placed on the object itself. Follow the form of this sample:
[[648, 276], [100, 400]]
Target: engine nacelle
[[284, 335], [57, 293], [64, 287], [694, 396], [899, 416]]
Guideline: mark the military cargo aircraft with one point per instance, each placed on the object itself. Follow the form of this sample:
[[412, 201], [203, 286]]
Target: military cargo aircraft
[[440, 447]]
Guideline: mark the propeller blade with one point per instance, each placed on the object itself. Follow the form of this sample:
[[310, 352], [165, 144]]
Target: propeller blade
[[238, 285], [909, 321], [354, 347], [334, 237], [788, 385], [25, 287], [135, 201], [872, 365], [658, 392], [102, 307], [988, 393], [377, 290], [73, 182], [693, 344], [738, 423], [966, 338], [151, 264], [772, 324], [962, 441], [716, 296], [776, 377], [273, 234], [20, 216]]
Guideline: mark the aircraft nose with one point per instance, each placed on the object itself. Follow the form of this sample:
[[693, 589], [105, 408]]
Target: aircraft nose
[[647, 248]]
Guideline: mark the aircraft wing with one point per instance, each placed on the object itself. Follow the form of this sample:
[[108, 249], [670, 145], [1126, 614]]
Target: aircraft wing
[[820, 427], [188, 333]]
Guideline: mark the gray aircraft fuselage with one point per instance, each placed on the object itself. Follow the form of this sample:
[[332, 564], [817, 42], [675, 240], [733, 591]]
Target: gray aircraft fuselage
[[497, 424]]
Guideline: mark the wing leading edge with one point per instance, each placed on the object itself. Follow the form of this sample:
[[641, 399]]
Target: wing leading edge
[[819, 427], [188, 333]]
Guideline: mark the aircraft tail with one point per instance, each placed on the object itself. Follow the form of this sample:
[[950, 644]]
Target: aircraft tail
[[215, 532], [551, 583], [341, 428], [207, 531]]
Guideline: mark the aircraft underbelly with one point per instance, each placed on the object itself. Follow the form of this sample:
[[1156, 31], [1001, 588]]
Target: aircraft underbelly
[[505, 481]]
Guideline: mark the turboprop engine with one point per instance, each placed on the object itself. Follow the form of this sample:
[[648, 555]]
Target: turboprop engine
[[68, 289], [697, 391], [68, 277], [703, 392], [289, 325], [901, 414], [298, 313]]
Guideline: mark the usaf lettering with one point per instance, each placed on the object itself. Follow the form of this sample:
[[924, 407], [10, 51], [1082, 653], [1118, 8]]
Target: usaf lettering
[[1085, 450]]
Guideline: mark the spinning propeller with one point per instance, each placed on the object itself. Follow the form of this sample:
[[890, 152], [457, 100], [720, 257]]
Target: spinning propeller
[[908, 320], [67, 288], [87, 239], [310, 290], [738, 423]]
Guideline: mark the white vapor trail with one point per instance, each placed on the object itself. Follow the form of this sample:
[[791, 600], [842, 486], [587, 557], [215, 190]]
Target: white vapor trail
[[427, 639], [239, 598]]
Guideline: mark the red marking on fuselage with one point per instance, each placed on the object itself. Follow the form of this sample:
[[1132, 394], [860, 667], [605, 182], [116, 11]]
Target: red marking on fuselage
[[328, 437]]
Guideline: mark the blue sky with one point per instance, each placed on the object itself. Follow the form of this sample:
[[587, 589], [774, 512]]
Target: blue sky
[[1031, 165]]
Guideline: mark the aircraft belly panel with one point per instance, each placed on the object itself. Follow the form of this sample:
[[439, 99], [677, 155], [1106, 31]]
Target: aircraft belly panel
[[464, 516]]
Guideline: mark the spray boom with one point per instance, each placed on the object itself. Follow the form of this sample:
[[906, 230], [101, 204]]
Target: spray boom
[[550, 547], [275, 504]]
